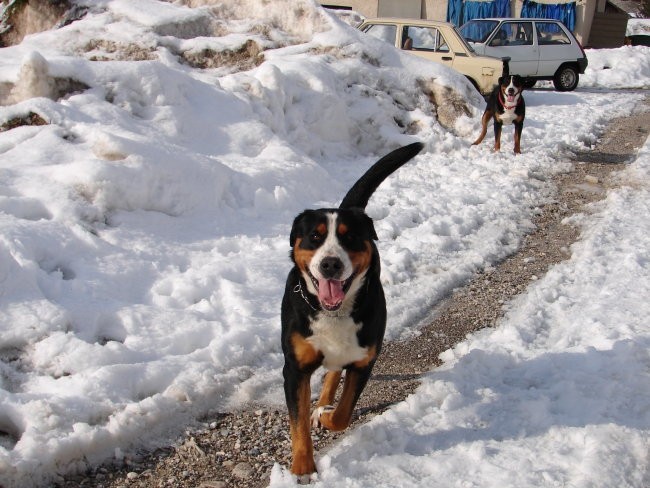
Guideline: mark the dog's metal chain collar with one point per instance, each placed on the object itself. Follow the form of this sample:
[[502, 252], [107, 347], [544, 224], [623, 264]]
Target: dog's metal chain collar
[[298, 289]]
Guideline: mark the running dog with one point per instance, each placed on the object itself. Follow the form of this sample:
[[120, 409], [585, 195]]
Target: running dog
[[333, 309], [505, 106]]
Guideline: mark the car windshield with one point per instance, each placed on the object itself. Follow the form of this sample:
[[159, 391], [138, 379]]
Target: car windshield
[[463, 40], [478, 30], [385, 32]]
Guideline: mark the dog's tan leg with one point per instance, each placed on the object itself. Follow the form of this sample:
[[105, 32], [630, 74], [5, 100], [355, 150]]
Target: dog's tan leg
[[487, 115], [356, 378], [498, 125], [302, 448], [519, 125], [339, 418], [330, 384]]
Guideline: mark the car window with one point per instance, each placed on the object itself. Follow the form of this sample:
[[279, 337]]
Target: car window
[[423, 39], [514, 34], [478, 30], [550, 33], [442, 44], [385, 32]]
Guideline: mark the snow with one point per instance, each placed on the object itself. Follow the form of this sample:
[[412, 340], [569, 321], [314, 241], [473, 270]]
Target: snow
[[613, 68], [638, 27], [144, 241]]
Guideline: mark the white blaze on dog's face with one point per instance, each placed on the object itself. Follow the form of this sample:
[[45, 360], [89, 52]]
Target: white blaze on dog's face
[[331, 266], [511, 91], [333, 250]]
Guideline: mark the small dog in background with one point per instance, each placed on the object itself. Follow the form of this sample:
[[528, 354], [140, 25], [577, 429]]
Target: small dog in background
[[333, 309], [505, 106]]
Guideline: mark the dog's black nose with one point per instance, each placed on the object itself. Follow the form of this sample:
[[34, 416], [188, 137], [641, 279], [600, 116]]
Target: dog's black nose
[[331, 267]]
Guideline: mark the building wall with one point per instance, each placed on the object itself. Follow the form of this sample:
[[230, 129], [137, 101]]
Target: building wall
[[608, 30], [434, 9], [411, 9], [585, 19], [367, 8]]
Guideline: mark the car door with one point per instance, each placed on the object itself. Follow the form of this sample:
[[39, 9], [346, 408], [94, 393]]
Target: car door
[[517, 41], [427, 42], [555, 47]]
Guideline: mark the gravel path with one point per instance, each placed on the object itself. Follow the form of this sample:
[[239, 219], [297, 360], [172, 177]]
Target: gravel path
[[239, 449]]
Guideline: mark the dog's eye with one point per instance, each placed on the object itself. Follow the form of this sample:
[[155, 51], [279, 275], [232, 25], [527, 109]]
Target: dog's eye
[[349, 238], [316, 237]]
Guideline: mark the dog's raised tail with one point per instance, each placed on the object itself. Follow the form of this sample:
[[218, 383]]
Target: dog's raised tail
[[363, 189]]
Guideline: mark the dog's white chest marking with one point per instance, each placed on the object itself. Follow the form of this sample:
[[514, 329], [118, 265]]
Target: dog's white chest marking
[[508, 116], [336, 338], [509, 103]]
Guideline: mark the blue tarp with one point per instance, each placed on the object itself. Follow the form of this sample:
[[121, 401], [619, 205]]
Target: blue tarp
[[459, 11], [564, 12], [478, 10], [503, 8], [455, 11]]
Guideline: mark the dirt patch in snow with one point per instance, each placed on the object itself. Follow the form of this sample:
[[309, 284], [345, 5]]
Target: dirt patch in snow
[[30, 119], [107, 50], [247, 57], [26, 17]]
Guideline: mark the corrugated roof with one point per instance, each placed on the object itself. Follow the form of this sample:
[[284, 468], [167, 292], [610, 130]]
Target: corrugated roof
[[632, 7]]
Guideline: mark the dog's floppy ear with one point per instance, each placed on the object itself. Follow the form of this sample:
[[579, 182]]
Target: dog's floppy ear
[[371, 226], [296, 228], [505, 72], [363, 221]]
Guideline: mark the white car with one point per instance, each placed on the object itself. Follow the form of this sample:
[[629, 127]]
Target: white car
[[539, 49], [439, 42]]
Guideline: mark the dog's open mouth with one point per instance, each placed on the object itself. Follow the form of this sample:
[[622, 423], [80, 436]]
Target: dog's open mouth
[[510, 97], [331, 293]]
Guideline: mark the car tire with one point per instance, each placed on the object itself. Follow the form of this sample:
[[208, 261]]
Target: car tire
[[471, 80], [566, 78]]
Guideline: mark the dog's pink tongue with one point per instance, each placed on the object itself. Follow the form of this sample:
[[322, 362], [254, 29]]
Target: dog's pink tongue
[[330, 292], [510, 98]]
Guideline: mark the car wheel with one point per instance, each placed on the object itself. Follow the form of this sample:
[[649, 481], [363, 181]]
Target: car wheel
[[566, 78]]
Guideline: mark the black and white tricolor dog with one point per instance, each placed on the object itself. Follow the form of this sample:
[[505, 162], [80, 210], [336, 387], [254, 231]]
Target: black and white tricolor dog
[[505, 106], [333, 309]]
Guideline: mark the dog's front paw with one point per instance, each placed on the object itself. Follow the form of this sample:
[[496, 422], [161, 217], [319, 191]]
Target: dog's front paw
[[315, 417], [304, 479], [303, 466]]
